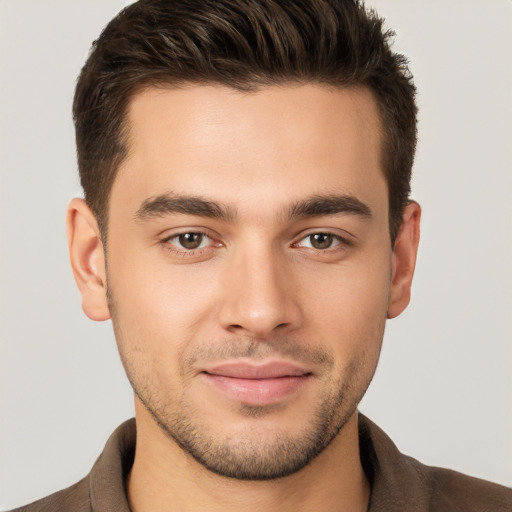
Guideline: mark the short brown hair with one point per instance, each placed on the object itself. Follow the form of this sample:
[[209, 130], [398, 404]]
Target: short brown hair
[[243, 44]]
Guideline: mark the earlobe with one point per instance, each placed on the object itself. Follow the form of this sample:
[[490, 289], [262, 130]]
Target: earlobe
[[404, 259], [87, 259]]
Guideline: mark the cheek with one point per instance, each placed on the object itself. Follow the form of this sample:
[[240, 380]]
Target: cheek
[[348, 304], [159, 306]]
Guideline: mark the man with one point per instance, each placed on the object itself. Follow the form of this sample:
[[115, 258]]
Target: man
[[247, 226]]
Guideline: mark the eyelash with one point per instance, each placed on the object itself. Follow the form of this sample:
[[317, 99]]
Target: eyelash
[[341, 243], [183, 251]]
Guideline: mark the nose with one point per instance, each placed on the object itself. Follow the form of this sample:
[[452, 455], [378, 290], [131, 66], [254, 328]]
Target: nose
[[260, 295]]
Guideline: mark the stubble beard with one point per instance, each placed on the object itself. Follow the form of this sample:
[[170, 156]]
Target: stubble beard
[[253, 454]]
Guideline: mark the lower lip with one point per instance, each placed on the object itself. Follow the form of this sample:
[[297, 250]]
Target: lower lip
[[257, 391]]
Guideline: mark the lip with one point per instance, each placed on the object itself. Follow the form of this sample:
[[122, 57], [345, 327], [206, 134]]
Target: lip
[[267, 370], [257, 384]]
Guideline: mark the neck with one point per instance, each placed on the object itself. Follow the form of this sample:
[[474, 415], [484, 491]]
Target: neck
[[166, 478]]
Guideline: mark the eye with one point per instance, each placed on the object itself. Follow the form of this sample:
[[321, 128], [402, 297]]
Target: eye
[[190, 241], [320, 241]]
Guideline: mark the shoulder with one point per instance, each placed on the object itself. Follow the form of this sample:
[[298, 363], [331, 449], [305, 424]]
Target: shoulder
[[400, 482], [72, 499], [454, 491], [103, 488]]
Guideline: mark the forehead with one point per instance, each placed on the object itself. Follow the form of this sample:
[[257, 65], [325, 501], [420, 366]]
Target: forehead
[[281, 142]]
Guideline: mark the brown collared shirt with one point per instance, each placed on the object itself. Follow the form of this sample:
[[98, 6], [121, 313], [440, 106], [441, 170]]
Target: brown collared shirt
[[398, 482]]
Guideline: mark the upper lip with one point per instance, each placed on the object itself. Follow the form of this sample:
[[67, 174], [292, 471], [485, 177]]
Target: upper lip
[[268, 370]]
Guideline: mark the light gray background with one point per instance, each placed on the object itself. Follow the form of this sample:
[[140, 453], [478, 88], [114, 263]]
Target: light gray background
[[443, 390]]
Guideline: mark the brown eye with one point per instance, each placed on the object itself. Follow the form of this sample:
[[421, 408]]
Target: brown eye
[[190, 240], [321, 240]]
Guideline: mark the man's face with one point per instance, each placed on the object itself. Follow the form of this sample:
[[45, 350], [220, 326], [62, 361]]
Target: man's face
[[249, 268]]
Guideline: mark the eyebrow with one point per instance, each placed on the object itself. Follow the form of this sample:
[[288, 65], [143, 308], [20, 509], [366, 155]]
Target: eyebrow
[[168, 204], [320, 205], [314, 206]]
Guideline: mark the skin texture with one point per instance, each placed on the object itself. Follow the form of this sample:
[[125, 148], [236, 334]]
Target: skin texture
[[216, 256]]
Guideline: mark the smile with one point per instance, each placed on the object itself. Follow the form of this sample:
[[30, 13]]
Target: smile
[[257, 384]]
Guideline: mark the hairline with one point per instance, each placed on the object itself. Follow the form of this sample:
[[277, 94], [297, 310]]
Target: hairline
[[250, 86]]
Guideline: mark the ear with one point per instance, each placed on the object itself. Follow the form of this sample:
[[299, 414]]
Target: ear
[[404, 259], [87, 259]]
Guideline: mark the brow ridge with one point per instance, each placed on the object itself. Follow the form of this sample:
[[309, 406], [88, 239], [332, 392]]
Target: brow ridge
[[314, 206], [332, 204], [170, 203]]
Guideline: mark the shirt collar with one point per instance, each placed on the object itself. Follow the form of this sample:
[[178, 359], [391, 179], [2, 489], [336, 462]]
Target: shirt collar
[[397, 482]]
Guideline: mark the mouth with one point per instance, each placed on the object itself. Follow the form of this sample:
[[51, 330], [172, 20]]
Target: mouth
[[257, 384]]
